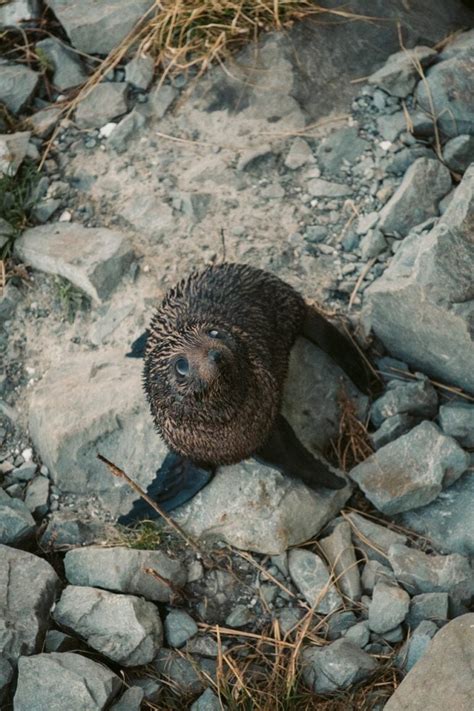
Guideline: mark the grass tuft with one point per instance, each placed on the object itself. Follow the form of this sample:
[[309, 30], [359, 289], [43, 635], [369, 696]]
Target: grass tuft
[[71, 299], [18, 196]]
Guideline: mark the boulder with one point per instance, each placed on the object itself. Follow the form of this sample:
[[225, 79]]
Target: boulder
[[139, 71]]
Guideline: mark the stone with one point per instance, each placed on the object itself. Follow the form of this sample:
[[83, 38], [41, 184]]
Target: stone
[[17, 12], [93, 259], [139, 71], [414, 648], [392, 428], [448, 93], [317, 187], [338, 623], [37, 496], [359, 634], [456, 419], [131, 700], [299, 154], [65, 64], [414, 398], [411, 203], [340, 555], [204, 645], [448, 521], [67, 529], [392, 126], [388, 608], [344, 145], [124, 628], [411, 471], [366, 222], [45, 209], [400, 73], [125, 130], [208, 701], [161, 98], [179, 627], [371, 538], [107, 324], [17, 84], [6, 675], [182, 673], [458, 153], [99, 28], [25, 472], [419, 572], [148, 214], [443, 677], [102, 104], [336, 666], [47, 682], [373, 573], [56, 641], [16, 521], [28, 587], [428, 606], [313, 580], [13, 149], [372, 244], [123, 570]]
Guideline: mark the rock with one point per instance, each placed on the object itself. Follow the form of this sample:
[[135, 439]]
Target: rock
[[123, 570], [28, 586], [336, 666], [104, 103], [161, 99], [411, 471], [16, 522], [372, 244], [13, 149], [65, 64], [66, 529], [17, 12], [125, 130], [149, 214], [428, 606], [17, 84], [208, 701], [399, 75], [338, 623], [131, 700], [411, 203], [448, 93], [414, 648], [313, 580], [73, 681], [97, 29], [358, 634], [317, 187], [443, 677], [459, 45], [299, 154], [458, 153], [340, 555], [43, 122], [415, 398], [448, 520], [183, 674], [393, 428], [457, 420], [6, 675], [388, 608], [56, 641], [45, 209], [105, 326], [94, 260], [25, 472], [239, 617], [204, 645], [374, 540], [37, 496], [373, 573], [390, 127], [344, 145], [179, 627], [195, 205], [139, 71], [124, 628], [419, 572]]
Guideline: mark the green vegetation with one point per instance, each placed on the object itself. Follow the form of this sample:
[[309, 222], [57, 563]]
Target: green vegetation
[[18, 196], [71, 298]]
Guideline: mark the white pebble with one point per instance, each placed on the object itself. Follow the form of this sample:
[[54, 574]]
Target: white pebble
[[65, 216], [27, 454], [106, 130], [385, 145]]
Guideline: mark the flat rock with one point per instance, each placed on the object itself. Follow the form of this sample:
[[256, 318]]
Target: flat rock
[[123, 570], [428, 606], [17, 84], [458, 153], [415, 398], [104, 103], [67, 68], [340, 554], [179, 627], [411, 471], [374, 540], [13, 149], [18, 11], [67, 529], [47, 682], [344, 145], [313, 580], [399, 75], [317, 187], [443, 677], [98, 28], [388, 607], [16, 521], [457, 420], [93, 259], [411, 203], [124, 628], [336, 666], [28, 587]]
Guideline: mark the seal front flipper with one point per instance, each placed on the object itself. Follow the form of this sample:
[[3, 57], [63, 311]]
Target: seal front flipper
[[176, 482], [138, 347], [342, 350], [285, 452]]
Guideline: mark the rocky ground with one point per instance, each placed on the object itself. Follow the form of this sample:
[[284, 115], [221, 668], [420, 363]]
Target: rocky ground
[[368, 211]]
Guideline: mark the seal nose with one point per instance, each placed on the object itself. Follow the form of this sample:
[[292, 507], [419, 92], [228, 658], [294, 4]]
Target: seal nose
[[214, 356]]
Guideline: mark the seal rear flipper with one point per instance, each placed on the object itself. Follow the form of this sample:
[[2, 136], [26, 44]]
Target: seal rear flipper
[[284, 451], [176, 482], [138, 346], [342, 350]]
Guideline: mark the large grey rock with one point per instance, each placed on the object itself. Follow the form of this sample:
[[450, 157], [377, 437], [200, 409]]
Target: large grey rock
[[414, 398], [13, 149], [458, 153], [448, 92], [461, 43], [313, 580], [102, 104], [98, 28], [443, 678], [388, 607], [411, 471], [51, 682], [65, 64], [16, 521], [17, 84], [124, 628], [428, 606], [340, 554], [123, 570], [448, 521], [400, 73], [337, 666], [457, 420], [18, 11], [412, 203], [28, 587], [92, 259], [179, 627], [342, 145]]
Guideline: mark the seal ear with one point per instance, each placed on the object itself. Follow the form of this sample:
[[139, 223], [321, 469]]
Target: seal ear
[[138, 347]]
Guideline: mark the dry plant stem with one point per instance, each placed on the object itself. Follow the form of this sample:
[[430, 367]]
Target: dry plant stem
[[116, 471], [411, 376], [229, 632], [361, 278], [177, 592]]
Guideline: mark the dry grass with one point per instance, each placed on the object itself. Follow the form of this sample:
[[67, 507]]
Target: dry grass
[[352, 444]]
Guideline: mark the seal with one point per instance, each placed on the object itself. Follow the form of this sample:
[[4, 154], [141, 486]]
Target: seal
[[215, 362]]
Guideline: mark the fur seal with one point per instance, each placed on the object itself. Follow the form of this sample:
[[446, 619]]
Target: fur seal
[[215, 362]]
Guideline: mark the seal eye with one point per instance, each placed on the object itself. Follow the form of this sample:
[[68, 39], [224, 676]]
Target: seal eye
[[182, 366], [214, 333]]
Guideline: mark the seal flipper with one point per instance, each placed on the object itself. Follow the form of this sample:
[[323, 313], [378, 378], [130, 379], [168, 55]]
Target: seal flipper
[[323, 334], [285, 452], [176, 482], [138, 346]]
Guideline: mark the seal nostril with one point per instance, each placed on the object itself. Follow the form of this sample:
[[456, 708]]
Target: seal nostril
[[214, 356]]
